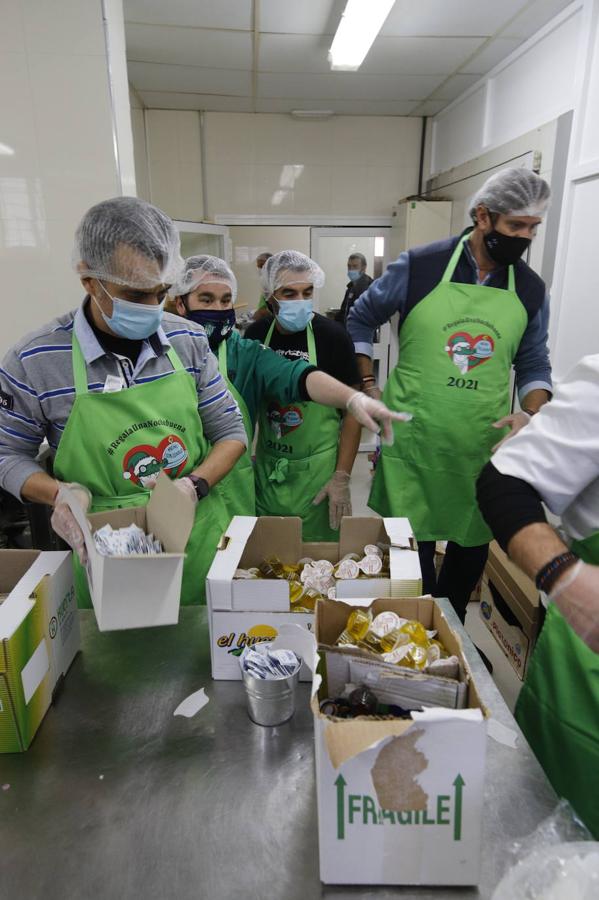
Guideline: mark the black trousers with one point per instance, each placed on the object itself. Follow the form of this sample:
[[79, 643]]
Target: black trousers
[[462, 567]]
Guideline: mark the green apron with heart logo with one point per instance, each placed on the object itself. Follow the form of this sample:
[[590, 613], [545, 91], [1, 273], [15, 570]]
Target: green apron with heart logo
[[296, 455], [237, 488], [456, 351], [558, 707], [116, 443]]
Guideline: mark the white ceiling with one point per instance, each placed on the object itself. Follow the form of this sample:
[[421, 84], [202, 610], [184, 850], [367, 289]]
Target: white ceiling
[[271, 55]]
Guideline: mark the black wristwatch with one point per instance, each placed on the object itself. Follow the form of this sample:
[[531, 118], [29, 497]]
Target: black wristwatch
[[201, 485]]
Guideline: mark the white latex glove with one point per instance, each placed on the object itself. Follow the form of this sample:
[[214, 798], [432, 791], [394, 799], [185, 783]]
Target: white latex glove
[[187, 487], [369, 411], [576, 595], [516, 421], [337, 490], [63, 521]]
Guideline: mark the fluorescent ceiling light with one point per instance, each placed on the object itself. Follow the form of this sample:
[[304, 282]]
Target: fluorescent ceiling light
[[312, 113], [360, 23]]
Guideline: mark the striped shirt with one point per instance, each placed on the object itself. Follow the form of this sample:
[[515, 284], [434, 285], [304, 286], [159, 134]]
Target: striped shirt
[[37, 386]]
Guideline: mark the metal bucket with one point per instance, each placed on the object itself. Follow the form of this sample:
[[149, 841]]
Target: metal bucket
[[270, 701]]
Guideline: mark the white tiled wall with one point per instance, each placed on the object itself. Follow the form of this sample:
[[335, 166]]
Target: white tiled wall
[[271, 164], [175, 164], [57, 155]]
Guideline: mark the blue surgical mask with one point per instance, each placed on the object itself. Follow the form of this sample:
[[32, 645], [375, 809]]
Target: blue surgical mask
[[218, 324], [353, 274], [134, 321], [294, 315]]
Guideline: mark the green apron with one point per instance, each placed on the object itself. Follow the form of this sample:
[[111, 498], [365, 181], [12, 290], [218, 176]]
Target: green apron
[[558, 707], [296, 455], [114, 443], [237, 488], [456, 351]]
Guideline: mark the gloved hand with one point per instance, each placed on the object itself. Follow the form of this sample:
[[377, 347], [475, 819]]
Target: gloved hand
[[516, 421], [187, 487], [368, 412], [337, 490], [576, 595], [63, 521]]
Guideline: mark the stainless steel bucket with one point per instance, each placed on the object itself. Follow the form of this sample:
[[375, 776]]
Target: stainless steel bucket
[[270, 701]]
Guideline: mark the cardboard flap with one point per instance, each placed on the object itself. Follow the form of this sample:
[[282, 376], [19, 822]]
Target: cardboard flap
[[18, 604], [400, 533], [170, 515], [347, 739], [357, 531], [277, 536]]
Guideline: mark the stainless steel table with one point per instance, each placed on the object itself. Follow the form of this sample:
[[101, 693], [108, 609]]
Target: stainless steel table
[[117, 799]]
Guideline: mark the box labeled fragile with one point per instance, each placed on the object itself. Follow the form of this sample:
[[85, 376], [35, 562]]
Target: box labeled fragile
[[39, 638], [400, 801], [245, 611], [143, 590]]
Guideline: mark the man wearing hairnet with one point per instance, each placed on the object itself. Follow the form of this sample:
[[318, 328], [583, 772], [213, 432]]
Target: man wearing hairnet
[[206, 294], [305, 454], [121, 391], [469, 309]]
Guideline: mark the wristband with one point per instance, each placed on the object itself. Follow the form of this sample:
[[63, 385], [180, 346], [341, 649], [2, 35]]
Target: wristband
[[549, 574]]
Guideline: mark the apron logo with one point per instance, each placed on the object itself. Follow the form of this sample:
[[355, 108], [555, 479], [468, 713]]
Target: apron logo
[[284, 419], [143, 464], [467, 352]]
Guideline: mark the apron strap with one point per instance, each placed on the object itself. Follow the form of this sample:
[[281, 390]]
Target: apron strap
[[174, 360], [222, 360], [455, 256], [79, 368], [311, 341]]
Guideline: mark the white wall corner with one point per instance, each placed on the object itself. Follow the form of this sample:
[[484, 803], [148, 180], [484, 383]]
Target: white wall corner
[[116, 56]]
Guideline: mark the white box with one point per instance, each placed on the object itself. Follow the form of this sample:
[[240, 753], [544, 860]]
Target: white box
[[143, 590], [399, 801], [39, 638], [249, 610], [249, 540], [230, 632]]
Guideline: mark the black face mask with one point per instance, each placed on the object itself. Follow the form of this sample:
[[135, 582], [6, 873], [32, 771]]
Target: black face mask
[[504, 249], [218, 324]]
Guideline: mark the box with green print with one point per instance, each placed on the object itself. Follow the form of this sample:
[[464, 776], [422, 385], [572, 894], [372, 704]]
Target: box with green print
[[39, 638], [399, 801]]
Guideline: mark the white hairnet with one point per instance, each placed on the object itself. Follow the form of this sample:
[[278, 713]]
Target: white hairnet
[[127, 241], [289, 267], [203, 270], [515, 192]]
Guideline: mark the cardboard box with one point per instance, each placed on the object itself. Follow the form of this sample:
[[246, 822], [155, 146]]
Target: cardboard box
[[399, 801], [39, 638], [248, 541], [243, 611], [143, 590], [517, 589], [510, 607]]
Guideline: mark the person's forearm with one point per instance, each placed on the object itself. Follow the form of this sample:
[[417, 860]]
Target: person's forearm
[[534, 546], [325, 389], [40, 488], [534, 400], [220, 461], [349, 444], [365, 365]]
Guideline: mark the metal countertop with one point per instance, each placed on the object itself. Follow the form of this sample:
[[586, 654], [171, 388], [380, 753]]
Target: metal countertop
[[117, 799]]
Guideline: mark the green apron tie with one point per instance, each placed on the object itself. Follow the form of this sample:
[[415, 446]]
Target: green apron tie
[[280, 472]]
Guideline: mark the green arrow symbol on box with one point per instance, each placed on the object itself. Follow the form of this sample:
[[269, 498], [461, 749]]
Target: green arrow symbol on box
[[340, 785], [457, 808]]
